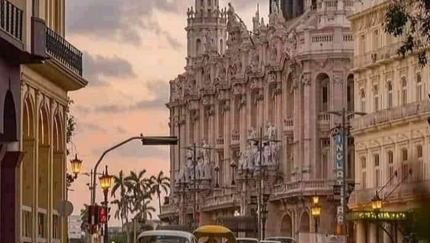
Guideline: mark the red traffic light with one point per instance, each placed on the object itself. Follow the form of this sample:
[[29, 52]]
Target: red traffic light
[[103, 214], [93, 214]]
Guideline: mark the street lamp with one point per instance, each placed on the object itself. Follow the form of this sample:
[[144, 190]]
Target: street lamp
[[316, 211], [376, 202], [76, 165], [146, 140], [105, 183]]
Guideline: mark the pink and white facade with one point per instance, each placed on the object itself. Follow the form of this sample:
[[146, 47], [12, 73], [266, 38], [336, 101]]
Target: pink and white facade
[[283, 78]]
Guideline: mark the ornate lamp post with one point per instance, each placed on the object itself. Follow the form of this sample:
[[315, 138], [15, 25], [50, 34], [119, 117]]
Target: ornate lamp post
[[76, 165], [105, 184], [316, 211], [264, 213]]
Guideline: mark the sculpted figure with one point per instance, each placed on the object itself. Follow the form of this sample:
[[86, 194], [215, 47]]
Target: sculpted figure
[[267, 155], [271, 130], [256, 156], [189, 164], [249, 158], [206, 160], [274, 153], [252, 133], [242, 161], [200, 172]]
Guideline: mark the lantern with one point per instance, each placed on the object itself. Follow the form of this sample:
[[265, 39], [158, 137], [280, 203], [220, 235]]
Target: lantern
[[316, 210], [376, 202], [315, 199], [76, 165], [105, 180]]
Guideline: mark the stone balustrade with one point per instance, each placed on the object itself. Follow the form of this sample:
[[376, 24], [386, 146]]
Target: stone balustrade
[[375, 57], [220, 200], [389, 116], [301, 187]]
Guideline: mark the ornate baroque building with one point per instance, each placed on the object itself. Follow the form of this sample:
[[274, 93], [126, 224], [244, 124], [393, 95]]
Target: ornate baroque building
[[392, 140], [38, 67], [282, 78]]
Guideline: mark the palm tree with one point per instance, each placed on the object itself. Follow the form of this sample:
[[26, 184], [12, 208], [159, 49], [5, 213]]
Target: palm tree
[[143, 209], [123, 204], [140, 187], [160, 182]]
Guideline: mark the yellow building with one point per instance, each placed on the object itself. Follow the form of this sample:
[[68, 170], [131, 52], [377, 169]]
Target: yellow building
[[392, 140], [53, 70]]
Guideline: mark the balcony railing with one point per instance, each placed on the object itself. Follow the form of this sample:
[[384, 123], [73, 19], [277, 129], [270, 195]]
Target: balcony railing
[[64, 52], [11, 19], [391, 115], [302, 186]]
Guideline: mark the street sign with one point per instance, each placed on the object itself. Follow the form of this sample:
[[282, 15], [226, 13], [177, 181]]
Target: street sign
[[339, 167]]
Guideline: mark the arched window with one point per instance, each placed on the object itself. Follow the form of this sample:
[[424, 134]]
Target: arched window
[[325, 95], [419, 87], [363, 100], [389, 95], [350, 93], [363, 172], [421, 169], [404, 99]]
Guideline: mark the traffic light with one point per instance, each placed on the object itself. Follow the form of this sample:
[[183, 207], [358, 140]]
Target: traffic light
[[103, 214], [93, 215]]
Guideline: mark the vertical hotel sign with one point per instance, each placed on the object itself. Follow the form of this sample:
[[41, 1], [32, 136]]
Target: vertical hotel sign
[[339, 164]]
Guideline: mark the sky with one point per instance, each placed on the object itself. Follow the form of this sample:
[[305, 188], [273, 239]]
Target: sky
[[131, 49]]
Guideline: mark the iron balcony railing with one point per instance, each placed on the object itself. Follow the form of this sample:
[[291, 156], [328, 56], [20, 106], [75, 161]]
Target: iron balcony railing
[[64, 52], [11, 19]]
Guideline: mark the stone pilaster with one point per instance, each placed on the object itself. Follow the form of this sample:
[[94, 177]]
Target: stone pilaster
[[297, 131], [307, 126]]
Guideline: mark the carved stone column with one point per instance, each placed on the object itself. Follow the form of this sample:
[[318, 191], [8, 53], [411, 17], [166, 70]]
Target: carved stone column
[[296, 168], [307, 125], [227, 140]]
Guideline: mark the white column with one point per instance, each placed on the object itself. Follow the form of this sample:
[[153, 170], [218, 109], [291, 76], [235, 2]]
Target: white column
[[361, 232], [227, 140], [35, 205], [297, 132]]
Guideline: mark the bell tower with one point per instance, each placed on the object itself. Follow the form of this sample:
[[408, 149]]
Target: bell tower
[[206, 29]]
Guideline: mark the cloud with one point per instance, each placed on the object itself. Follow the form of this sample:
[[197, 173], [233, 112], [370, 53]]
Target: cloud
[[89, 128], [136, 150], [98, 66], [120, 130], [121, 20], [159, 90]]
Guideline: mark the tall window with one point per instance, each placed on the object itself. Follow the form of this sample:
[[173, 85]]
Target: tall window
[[363, 44], [350, 93], [324, 166], [375, 40], [404, 91], [375, 98], [363, 172], [363, 100], [324, 95], [377, 170], [390, 95], [405, 163], [419, 88], [420, 169], [390, 158]]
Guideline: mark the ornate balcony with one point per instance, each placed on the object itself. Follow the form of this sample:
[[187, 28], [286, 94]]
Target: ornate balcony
[[220, 201], [288, 125], [12, 35], [376, 57], [64, 52], [391, 116], [302, 188], [11, 19]]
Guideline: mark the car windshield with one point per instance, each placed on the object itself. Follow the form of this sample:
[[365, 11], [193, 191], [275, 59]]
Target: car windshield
[[246, 241], [163, 239], [283, 240]]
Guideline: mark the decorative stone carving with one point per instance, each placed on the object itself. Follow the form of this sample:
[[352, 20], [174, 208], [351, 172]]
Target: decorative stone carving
[[306, 79]]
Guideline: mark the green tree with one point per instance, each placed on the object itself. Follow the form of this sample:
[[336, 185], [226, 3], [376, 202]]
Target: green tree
[[160, 183], [84, 218], [120, 186], [141, 189], [408, 19]]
